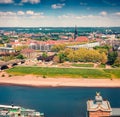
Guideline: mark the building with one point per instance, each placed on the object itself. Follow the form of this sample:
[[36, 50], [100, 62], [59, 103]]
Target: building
[[101, 108], [75, 33], [17, 111], [118, 51], [87, 45], [43, 46], [6, 50]]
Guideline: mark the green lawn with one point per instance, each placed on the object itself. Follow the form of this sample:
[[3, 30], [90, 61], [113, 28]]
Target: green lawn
[[115, 72], [66, 72], [83, 65], [101, 66]]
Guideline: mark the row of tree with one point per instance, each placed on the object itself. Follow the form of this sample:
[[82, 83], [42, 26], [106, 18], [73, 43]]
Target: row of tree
[[81, 55], [102, 54]]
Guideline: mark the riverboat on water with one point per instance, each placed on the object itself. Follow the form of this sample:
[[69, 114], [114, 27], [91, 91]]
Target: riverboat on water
[[18, 111]]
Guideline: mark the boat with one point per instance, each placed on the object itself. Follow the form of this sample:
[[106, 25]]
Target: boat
[[18, 111]]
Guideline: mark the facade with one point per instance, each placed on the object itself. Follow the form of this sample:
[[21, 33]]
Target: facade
[[41, 47], [6, 50], [75, 33], [88, 45], [101, 108]]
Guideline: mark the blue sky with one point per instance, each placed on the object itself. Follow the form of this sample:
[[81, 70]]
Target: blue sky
[[38, 13]]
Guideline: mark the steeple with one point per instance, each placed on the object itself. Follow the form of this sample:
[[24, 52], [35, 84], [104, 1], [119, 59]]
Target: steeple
[[98, 98], [75, 33]]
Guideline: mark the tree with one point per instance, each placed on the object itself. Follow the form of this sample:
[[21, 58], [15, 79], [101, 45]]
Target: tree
[[103, 47], [57, 48], [1, 41], [56, 59], [67, 51], [103, 58], [61, 56], [112, 57], [44, 55], [8, 58], [20, 56], [20, 48], [117, 62], [71, 56]]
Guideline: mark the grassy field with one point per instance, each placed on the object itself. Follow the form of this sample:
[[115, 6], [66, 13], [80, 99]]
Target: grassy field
[[115, 72], [83, 65], [101, 66], [66, 72]]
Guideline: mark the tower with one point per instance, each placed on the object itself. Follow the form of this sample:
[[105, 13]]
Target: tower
[[98, 107], [75, 33]]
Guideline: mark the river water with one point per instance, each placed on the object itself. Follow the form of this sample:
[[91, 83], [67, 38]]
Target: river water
[[56, 101]]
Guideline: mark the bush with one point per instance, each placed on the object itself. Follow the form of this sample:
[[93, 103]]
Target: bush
[[117, 62], [20, 56], [44, 76], [10, 75]]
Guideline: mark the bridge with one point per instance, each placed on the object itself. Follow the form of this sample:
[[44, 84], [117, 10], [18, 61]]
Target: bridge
[[10, 64]]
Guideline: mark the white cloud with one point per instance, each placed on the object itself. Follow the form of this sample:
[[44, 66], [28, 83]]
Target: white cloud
[[31, 1], [20, 13], [88, 16], [6, 1], [57, 6], [103, 13], [117, 13], [63, 16], [39, 14], [30, 12], [9, 13], [77, 17], [36, 19], [88, 20]]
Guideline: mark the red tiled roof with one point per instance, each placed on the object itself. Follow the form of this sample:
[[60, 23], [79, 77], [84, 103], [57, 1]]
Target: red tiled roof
[[81, 39], [27, 50]]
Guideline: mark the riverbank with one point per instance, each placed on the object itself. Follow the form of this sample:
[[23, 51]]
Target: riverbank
[[37, 81], [56, 72]]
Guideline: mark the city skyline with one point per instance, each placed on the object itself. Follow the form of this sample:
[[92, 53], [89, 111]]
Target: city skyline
[[59, 13]]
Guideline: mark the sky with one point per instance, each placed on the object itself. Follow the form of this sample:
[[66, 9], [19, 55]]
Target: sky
[[59, 13]]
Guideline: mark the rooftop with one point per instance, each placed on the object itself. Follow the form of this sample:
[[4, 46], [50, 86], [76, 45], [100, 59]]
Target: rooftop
[[98, 104], [88, 45], [115, 112]]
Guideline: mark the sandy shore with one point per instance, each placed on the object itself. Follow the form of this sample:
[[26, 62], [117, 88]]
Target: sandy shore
[[30, 80]]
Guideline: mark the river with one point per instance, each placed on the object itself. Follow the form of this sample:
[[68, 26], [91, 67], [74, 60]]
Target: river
[[56, 101]]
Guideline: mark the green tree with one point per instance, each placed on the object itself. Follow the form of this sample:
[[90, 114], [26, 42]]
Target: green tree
[[61, 56], [56, 59], [57, 48], [8, 58], [19, 48], [103, 47], [117, 62], [103, 58], [112, 57], [71, 56], [44, 55], [20, 56]]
